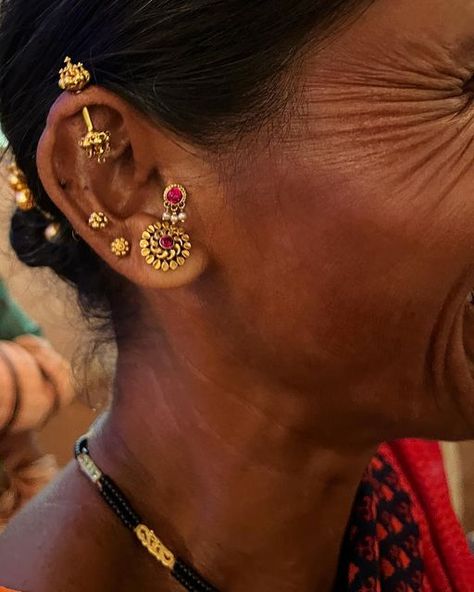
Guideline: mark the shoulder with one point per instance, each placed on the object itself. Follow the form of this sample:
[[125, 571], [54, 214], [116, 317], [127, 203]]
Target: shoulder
[[37, 546]]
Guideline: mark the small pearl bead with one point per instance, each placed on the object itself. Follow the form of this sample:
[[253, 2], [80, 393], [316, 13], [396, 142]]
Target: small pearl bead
[[182, 217], [174, 219], [166, 216], [52, 231]]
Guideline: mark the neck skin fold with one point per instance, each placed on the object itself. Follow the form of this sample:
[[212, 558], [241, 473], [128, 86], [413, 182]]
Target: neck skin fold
[[252, 502]]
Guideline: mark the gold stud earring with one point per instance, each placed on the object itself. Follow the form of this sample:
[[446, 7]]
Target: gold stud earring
[[165, 245], [73, 77], [98, 221], [120, 247], [95, 143]]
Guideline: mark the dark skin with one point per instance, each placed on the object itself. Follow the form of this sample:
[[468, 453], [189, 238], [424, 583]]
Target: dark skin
[[323, 312]]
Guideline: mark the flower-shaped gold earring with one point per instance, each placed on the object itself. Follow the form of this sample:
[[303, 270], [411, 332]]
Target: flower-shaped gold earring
[[98, 221], [120, 247]]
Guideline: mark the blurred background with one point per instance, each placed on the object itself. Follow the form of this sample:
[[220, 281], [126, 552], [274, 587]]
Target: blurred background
[[53, 306]]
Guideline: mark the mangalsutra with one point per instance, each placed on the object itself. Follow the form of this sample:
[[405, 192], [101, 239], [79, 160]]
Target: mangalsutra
[[187, 576]]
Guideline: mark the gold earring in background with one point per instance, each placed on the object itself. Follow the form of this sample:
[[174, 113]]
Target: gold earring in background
[[165, 245], [120, 247], [95, 143], [23, 195], [98, 221], [26, 202]]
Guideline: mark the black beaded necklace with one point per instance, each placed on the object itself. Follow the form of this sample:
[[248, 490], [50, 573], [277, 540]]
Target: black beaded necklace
[[183, 573]]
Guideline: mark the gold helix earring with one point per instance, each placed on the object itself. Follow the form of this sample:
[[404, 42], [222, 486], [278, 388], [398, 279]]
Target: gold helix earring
[[165, 245], [95, 143], [75, 78]]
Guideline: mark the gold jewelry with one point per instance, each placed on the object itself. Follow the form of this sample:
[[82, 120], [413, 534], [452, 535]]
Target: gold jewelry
[[165, 247], [52, 232], [98, 221], [73, 77], [120, 247], [175, 197], [95, 143], [23, 195]]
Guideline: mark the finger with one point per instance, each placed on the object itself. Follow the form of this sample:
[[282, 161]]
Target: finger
[[36, 393], [55, 368]]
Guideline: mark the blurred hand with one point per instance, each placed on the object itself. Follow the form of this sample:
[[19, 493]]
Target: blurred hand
[[41, 378], [24, 472], [36, 381]]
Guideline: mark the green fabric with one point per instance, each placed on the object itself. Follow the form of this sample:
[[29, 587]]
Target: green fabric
[[13, 321]]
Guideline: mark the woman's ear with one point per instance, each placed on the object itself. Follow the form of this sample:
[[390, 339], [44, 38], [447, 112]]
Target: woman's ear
[[127, 188]]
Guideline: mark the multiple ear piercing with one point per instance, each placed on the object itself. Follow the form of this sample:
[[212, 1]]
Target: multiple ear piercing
[[164, 245]]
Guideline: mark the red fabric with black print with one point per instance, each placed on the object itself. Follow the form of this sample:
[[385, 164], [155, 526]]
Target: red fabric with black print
[[403, 535]]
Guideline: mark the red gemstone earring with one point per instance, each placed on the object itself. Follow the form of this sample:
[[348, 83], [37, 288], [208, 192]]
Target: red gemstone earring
[[165, 245]]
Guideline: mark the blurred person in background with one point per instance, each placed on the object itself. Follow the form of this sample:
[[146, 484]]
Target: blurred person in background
[[35, 383]]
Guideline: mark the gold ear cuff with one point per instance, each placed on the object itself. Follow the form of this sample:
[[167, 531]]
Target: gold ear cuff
[[74, 78]]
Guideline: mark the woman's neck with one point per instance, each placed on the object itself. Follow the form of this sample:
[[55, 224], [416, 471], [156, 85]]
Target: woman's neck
[[252, 503]]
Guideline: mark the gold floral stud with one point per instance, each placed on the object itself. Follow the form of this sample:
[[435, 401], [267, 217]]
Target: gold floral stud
[[98, 221], [73, 77], [120, 247]]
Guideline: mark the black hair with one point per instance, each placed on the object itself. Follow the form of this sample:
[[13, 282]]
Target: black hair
[[206, 69]]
